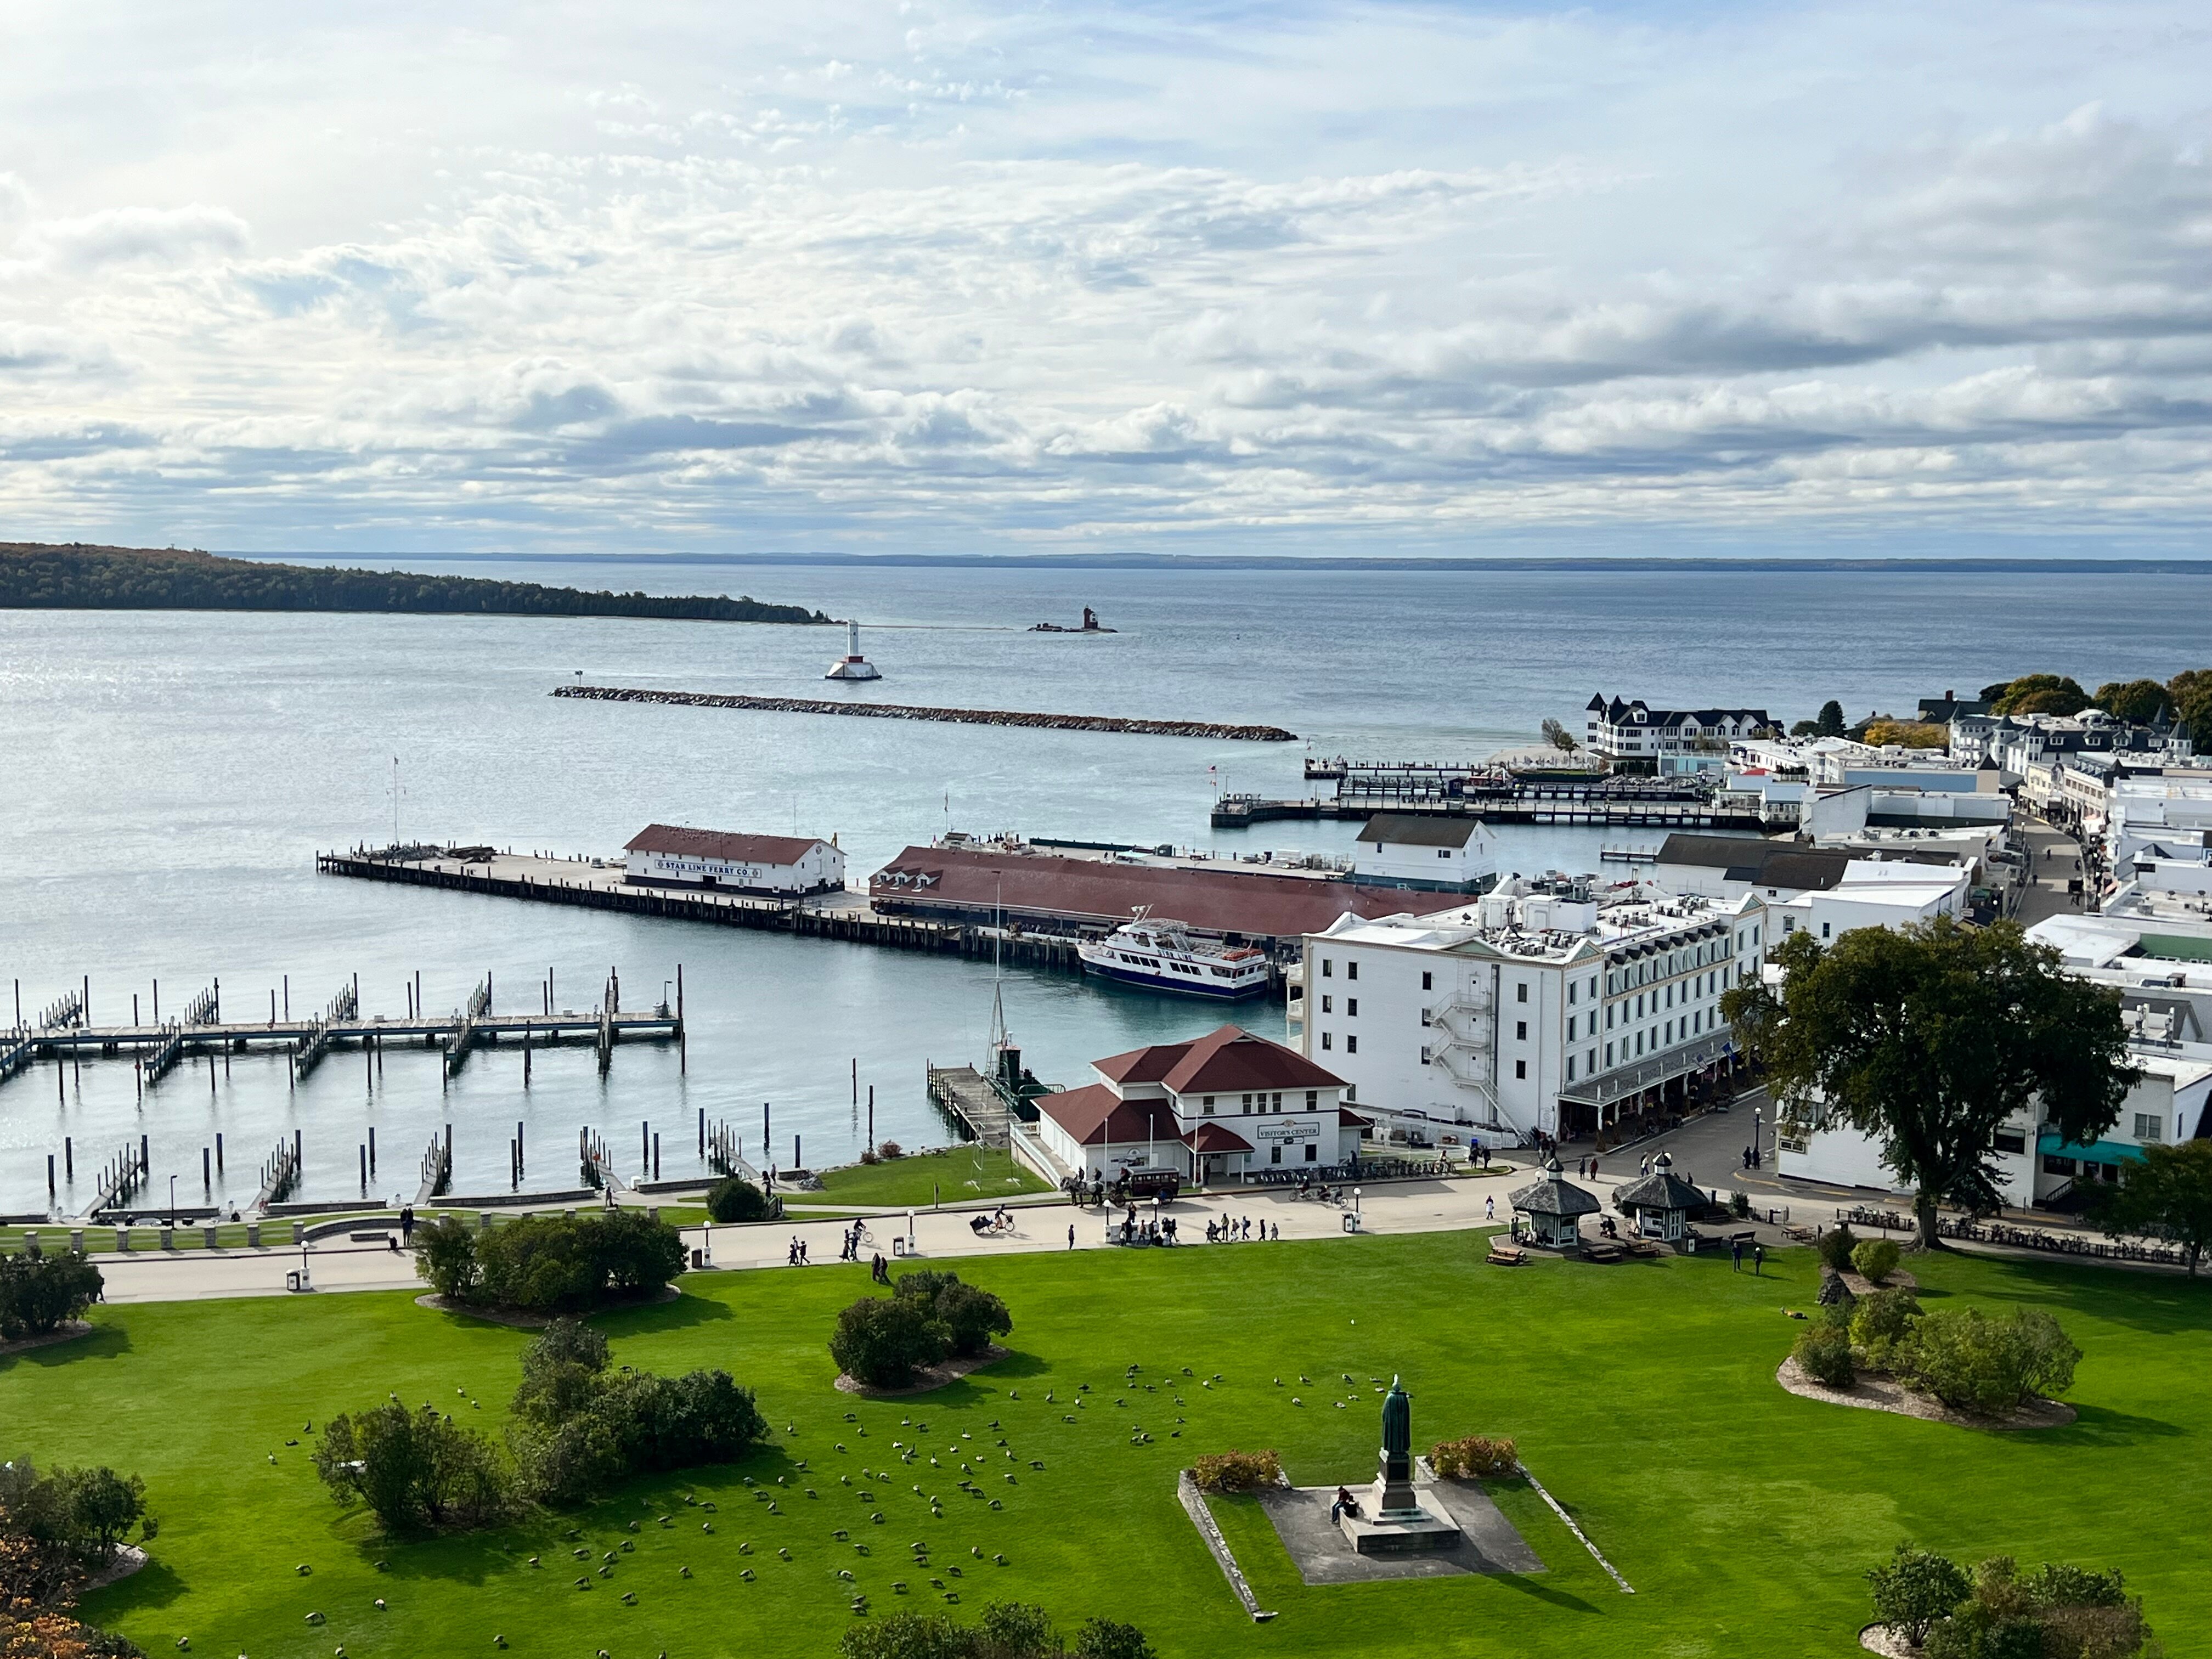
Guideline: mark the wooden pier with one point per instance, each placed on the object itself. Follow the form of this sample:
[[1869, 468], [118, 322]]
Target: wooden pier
[[966, 1095], [847, 917], [1547, 804]]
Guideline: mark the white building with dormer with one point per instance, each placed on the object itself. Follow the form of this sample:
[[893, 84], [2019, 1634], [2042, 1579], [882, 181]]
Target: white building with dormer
[[1553, 1008], [1668, 741]]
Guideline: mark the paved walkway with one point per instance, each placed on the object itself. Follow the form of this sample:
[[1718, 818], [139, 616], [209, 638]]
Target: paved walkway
[[2055, 858]]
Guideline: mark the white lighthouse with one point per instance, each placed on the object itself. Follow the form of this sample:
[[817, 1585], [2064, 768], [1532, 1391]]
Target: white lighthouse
[[852, 666]]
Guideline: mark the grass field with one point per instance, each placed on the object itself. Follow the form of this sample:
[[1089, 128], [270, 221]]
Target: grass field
[[954, 1175], [1642, 1395]]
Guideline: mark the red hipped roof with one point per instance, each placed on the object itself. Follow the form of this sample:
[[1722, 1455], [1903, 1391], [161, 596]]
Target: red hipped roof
[[1226, 1059], [1095, 1116]]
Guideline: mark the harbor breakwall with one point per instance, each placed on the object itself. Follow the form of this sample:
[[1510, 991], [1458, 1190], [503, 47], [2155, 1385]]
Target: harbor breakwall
[[899, 711]]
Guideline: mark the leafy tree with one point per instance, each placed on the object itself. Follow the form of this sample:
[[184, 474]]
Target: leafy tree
[[1109, 1638], [1829, 723], [1808, 728], [1915, 1588], [551, 1264], [1908, 734], [103, 1507], [2040, 693], [415, 1470], [1837, 1245], [445, 1258], [969, 1317], [38, 1597], [1018, 1627], [2168, 1195], [2057, 1612], [883, 1340], [41, 1293], [560, 1371], [1559, 737], [1929, 1038], [735, 1198], [2140, 701], [2192, 691]]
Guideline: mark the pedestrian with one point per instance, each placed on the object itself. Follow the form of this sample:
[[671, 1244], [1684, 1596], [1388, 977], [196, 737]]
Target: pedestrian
[[1278, 1233], [1759, 1259], [1489, 1209], [1735, 1255], [1070, 1235]]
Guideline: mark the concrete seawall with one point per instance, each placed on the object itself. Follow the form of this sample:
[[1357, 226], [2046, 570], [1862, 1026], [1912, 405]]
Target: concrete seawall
[[898, 711]]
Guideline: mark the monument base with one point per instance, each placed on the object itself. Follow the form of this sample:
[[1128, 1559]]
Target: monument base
[[1401, 1531]]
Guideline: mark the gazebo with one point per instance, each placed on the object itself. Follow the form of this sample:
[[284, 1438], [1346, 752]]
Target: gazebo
[[1553, 1204], [1662, 1203]]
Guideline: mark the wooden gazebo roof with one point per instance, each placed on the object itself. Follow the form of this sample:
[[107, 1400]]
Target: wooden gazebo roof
[[1554, 1194]]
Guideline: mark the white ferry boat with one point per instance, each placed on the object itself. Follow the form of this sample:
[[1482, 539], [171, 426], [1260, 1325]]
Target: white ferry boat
[[1162, 956]]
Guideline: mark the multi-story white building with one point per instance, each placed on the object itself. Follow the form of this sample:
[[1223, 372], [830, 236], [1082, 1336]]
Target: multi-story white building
[[1637, 737], [1552, 1009], [1876, 893], [784, 866]]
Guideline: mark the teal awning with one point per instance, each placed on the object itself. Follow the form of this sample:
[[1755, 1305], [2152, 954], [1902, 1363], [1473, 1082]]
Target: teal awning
[[2051, 1144]]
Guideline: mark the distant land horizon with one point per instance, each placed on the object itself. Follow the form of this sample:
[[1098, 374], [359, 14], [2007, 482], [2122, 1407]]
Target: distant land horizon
[[2021, 563]]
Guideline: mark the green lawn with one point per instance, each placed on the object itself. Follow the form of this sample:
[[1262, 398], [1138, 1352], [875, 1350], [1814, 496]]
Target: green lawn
[[1642, 1395], [954, 1175]]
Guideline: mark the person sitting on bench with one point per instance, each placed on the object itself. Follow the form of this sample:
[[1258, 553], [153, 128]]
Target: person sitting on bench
[[1345, 1504]]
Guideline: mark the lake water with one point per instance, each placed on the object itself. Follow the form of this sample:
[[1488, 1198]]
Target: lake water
[[169, 777]]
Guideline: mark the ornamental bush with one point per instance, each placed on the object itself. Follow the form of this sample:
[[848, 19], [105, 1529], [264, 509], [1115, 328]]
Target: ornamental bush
[[884, 1340], [1010, 1629], [445, 1258], [78, 1517], [2057, 1612], [552, 1264], [1875, 1260], [1823, 1352], [41, 1293], [1235, 1471], [735, 1198], [1836, 1247], [1914, 1589], [1975, 1363], [970, 1317], [1880, 1321], [1478, 1457]]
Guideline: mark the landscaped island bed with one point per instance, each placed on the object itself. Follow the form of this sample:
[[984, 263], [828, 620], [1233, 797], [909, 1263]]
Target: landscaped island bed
[[1641, 1396], [36, 576]]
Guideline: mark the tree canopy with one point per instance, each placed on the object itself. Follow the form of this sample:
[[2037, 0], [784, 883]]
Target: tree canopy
[[1829, 722], [2140, 701], [2037, 693], [2168, 1195], [1928, 1039]]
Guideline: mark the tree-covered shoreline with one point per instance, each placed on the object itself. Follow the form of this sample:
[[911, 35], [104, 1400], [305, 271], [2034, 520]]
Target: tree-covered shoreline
[[81, 577]]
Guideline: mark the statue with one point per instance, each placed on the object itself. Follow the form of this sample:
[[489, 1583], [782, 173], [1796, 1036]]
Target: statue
[[1393, 1483]]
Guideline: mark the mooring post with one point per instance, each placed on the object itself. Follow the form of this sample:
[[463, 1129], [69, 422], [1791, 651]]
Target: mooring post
[[51, 1188], [218, 1152], [157, 1002], [764, 1129], [702, 1132], [364, 1165], [372, 1149], [134, 1008], [645, 1143], [518, 1153], [871, 1115], [797, 1162], [656, 1158], [295, 1149], [856, 1079], [683, 1037], [288, 996], [207, 1168], [68, 1159]]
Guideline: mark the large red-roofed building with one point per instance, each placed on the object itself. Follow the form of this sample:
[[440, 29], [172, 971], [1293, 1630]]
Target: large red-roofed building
[[1222, 1107]]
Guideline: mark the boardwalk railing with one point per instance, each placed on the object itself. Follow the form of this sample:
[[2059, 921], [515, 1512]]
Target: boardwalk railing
[[206, 1008], [168, 1048], [17, 1050], [309, 1052], [465, 1036], [280, 1172], [122, 1176], [62, 1011], [437, 1166]]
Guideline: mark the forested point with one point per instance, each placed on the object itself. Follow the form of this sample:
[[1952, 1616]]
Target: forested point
[[78, 577]]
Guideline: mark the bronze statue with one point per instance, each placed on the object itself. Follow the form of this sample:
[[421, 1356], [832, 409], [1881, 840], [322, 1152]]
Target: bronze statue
[[1393, 1484]]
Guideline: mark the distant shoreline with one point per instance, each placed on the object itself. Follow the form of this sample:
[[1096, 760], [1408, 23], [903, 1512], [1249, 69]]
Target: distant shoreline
[[36, 576], [1200, 562]]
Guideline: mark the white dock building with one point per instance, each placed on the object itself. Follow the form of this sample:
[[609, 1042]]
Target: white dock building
[[779, 866]]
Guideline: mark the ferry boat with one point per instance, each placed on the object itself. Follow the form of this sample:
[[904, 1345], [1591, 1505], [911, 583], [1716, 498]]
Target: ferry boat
[[1162, 956]]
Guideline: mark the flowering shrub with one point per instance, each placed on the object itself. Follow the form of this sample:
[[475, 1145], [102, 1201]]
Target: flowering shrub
[[1478, 1457], [1235, 1471]]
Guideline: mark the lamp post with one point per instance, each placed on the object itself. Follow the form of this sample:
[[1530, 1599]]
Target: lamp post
[[1355, 1200], [173, 1203], [1754, 1137]]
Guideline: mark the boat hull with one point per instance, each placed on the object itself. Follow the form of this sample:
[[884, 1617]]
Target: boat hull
[[1121, 973]]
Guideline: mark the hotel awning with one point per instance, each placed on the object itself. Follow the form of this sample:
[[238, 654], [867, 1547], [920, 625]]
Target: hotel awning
[[2051, 1144], [1652, 1070]]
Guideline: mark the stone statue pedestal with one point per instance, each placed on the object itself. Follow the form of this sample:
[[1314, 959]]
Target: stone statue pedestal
[[1394, 1519]]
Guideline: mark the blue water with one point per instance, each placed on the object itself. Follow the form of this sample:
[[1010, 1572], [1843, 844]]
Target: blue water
[[169, 777]]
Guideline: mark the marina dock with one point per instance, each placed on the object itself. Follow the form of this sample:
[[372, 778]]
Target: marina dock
[[600, 886], [1601, 803], [966, 1095]]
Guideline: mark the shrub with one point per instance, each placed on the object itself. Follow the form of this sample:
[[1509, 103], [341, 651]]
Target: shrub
[[1477, 1457], [888, 1151], [1914, 1589], [2057, 1612], [883, 1341], [1836, 1247], [1235, 1471], [38, 1596], [1880, 1321], [415, 1470], [1875, 1260], [77, 1517], [1970, 1361], [1009, 1630], [868, 1155], [735, 1198], [445, 1258], [551, 1264], [632, 1423], [1739, 1206], [1108, 1639], [1823, 1352], [40, 1293], [561, 1369], [970, 1317]]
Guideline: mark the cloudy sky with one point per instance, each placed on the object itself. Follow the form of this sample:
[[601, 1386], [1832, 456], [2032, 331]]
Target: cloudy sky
[[1289, 278]]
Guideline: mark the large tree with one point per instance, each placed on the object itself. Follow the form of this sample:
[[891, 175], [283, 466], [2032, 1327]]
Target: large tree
[[2191, 692], [2167, 1195], [1928, 1039], [2140, 701]]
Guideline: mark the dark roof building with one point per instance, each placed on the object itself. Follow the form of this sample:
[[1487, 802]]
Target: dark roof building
[[1553, 1204], [1662, 1202]]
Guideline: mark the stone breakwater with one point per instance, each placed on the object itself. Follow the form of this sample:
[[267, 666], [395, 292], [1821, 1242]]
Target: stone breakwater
[[898, 711]]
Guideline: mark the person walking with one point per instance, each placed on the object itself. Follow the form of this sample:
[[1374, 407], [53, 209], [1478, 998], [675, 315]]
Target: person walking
[[1758, 1260], [1489, 1209], [1070, 1235], [1735, 1255]]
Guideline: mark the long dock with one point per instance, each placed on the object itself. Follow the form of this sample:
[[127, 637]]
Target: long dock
[[580, 882], [903, 711], [968, 1096], [1548, 805]]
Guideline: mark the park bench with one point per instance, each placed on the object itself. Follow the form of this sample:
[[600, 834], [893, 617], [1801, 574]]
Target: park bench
[[1642, 1247], [1798, 1234], [1507, 1255], [381, 1236], [1602, 1251]]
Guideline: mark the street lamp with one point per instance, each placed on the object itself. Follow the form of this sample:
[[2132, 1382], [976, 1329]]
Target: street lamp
[[1754, 1137], [173, 1203], [1355, 1200]]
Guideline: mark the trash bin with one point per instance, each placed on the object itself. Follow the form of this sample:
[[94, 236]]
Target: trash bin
[[253, 1235], [898, 1246], [698, 1258], [1352, 1224]]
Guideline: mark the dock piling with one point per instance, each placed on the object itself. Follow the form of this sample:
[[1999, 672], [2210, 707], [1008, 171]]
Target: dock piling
[[372, 1149]]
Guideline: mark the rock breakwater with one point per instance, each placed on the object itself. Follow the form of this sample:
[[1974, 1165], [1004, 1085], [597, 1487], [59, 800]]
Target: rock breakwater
[[898, 711]]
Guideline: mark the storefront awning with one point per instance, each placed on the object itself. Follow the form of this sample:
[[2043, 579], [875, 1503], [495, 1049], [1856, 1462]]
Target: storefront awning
[[2051, 1144]]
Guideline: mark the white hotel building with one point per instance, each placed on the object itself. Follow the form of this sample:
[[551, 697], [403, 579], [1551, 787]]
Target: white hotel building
[[1552, 1010]]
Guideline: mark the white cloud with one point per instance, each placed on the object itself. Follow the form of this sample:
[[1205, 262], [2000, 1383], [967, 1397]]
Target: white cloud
[[975, 276]]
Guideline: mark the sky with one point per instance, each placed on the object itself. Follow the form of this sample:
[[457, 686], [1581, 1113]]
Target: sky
[[1295, 278]]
